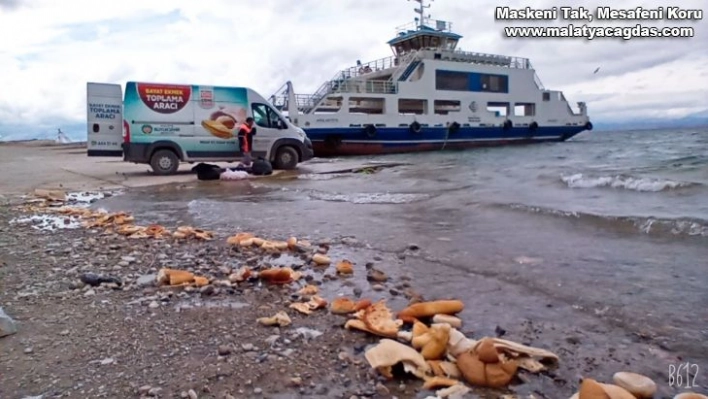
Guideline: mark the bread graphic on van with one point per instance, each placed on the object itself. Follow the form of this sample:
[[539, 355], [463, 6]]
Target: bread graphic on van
[[224, 122]]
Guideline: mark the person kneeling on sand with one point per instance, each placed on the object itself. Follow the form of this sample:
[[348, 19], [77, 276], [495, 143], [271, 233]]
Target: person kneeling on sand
[[245, 140]]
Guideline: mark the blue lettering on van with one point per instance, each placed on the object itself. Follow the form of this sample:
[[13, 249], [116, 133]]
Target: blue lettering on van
[[221, 142], [104, 111], [166, 129]]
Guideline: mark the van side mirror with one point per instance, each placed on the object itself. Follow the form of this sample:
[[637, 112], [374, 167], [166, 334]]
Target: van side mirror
[[282, 125]]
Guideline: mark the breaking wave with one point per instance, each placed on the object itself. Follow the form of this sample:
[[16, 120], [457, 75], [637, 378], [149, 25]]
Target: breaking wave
[[579, 180], [693, 227], [369, 198], [322, 176]]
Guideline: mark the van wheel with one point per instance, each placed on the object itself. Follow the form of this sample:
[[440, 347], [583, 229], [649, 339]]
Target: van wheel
[[164, 162], [286, 158]]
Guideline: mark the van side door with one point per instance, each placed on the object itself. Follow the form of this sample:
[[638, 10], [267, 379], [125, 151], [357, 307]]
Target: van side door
[[269, 128], [105, 125]]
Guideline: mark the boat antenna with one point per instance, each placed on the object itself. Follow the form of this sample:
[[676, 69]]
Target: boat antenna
[[421, 11]]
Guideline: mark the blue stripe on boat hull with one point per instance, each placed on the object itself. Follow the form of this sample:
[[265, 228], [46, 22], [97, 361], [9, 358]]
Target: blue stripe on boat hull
[[354, 141]]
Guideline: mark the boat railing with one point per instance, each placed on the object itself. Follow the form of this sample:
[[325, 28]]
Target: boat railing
[[341, 81], [406, 61], [279, 102], [322, 92], [480, 58], [369, 67], [538, 82], [306, 101], [365, 86], [279, 99], [436, 24], [536, 78]]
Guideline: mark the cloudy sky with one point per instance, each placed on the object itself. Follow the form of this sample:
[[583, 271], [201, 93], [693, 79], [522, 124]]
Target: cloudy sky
[[50, 49]]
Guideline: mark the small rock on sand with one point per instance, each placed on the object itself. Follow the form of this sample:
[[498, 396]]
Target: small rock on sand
[[7, 325]]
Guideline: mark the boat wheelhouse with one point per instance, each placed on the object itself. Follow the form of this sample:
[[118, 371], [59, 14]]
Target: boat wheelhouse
[[429, 96]]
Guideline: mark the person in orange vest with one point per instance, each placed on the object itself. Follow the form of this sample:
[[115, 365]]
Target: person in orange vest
[[245, 139]]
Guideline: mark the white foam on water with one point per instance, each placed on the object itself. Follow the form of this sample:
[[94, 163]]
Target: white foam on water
[[49, 222], [80, 198], [54, 222], [526, 260], [579, 180], [321, 176], [676, 227], [369, 198], [84, 197], [204, 207], [645, 225]]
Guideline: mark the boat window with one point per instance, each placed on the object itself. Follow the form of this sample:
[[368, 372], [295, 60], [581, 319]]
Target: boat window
[[546, 96], [412, 106], [265, 116], [498, 108], [524, 109], [471, 81], [330, 105], [366, 105], [495, 83], [451, 80], [444, 107], [429, 42]]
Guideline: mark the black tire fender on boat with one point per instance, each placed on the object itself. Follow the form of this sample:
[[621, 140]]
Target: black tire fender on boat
[[370, 131], [588, 126], [533, 126], [507, 125], [453, 128], [333, 141], [415, 127]]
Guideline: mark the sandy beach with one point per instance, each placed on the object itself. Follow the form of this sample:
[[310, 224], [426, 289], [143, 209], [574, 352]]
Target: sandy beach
[[93, 320], [47, 165]]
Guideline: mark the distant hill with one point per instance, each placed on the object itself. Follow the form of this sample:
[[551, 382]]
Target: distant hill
[[72, 131], [699, 119]]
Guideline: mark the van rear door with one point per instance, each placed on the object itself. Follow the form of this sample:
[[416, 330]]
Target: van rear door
[[104, 103]]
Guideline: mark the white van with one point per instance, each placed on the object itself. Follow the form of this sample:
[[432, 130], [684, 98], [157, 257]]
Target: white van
[[162, 124]]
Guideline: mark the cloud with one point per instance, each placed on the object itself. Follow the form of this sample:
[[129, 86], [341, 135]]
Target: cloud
[[56, 47], [9, 4]]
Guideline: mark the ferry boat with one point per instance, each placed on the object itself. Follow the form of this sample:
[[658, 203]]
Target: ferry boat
[[430, 96]]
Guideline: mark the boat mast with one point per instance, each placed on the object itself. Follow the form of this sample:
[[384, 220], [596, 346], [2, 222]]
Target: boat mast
[[421, 11]]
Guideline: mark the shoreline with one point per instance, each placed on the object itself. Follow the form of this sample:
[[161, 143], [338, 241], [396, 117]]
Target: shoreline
[[46, 142], [132, 326], [67, 167]]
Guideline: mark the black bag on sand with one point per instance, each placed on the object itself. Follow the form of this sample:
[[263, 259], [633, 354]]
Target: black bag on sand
[[261, 167], [207, 171]]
